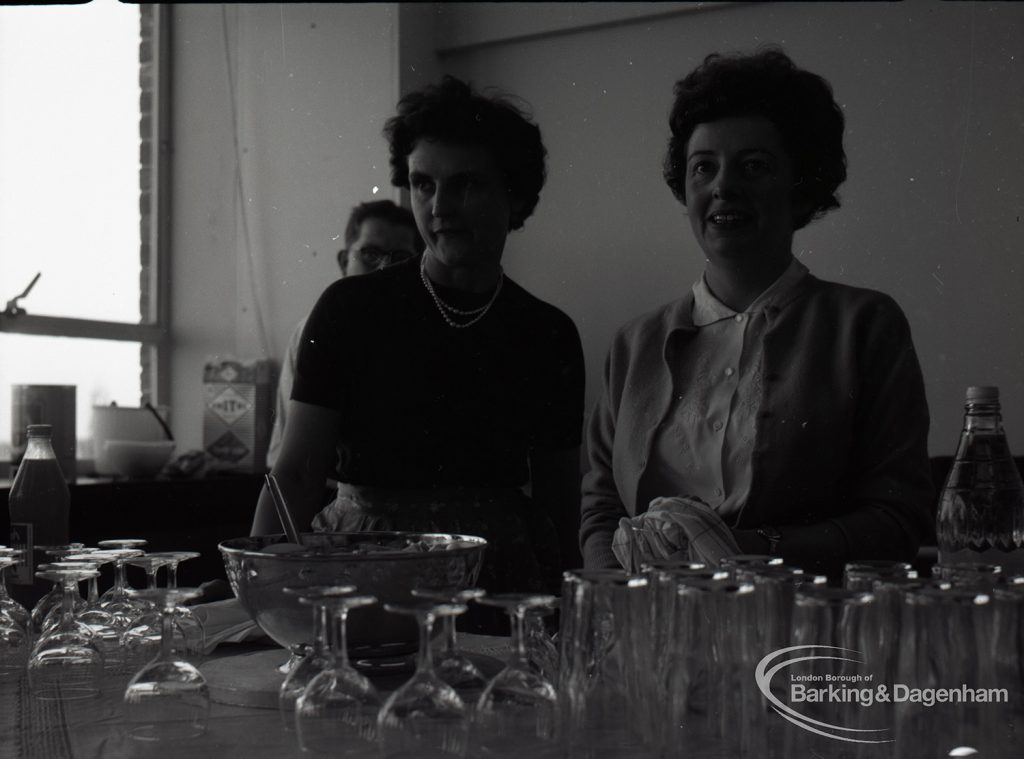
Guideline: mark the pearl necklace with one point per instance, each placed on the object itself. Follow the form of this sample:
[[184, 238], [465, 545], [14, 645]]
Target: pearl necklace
[[445, 309]]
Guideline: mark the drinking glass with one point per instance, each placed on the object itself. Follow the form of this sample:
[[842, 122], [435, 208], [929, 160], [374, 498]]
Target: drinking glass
[[185, 618], [972, 574], [60, 589], [604, 681], [337, 712], [713, 702], [142, 637], [731, 563], [946, 643], [45, 607], [65, 662], [14, 632], [861, 575], [102, 623], [426, 717], [451, 664], [834, 629], [315, 658], [116, 600], [8, 558], [517, 713], [1008, 598], [168, 698], [541, 647]]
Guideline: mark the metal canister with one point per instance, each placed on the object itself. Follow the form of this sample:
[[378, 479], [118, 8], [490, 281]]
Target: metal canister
[[45, 404]]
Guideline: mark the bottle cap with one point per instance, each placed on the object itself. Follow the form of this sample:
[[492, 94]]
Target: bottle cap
[[982, 393], [36, 430]]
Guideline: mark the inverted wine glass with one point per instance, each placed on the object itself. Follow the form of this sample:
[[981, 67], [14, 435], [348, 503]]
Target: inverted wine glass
[[142, 637], [517, 713], [8, 605], [61, 589], [311, 661], [168, 699], [337, 712], [451, 664], [116, 599], [102, 623], [14, 632], [185, 618], [425, 718], [65, 662]]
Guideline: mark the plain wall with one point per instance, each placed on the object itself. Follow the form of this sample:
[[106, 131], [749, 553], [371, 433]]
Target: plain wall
[[934, 98], [257, 221]]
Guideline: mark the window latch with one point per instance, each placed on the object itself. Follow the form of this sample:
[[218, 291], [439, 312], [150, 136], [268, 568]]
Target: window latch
[[12, 309]]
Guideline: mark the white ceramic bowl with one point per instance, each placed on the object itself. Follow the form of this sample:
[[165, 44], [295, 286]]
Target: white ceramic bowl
[[138, 459]]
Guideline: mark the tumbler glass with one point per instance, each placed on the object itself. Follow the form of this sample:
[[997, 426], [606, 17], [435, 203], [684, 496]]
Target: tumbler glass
[[714, 708], [605, 683], [946, 666], [833, 681], [861, 575], [1008, 598]]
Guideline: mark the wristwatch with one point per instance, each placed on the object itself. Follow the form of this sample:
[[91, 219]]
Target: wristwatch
[[772, 535]]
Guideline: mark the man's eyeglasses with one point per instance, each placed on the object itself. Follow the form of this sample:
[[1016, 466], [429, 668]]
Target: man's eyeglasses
[[375, 257]]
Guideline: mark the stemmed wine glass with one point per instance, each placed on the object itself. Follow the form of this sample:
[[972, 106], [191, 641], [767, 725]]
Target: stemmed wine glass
[[142, 637], [116, 600], [65, 662], [167, 699], [451, 665], [425, 717], [337, 711], [45, 605], [185, 618], [103, 623], [517, 713], [14, 631], [311, 661], [8, 605]]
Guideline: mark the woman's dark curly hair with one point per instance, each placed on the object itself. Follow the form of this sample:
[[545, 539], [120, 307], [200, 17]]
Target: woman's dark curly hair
[[768, 84], [451, 112]]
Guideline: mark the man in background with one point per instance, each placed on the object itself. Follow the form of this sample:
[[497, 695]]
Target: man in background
[[379, 233]]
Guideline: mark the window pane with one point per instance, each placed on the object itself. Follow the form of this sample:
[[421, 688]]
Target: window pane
[[69, 148], [103, 371]]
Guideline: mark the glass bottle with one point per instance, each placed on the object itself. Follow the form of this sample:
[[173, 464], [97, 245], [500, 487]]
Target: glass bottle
[[39, 503], [981, 506]]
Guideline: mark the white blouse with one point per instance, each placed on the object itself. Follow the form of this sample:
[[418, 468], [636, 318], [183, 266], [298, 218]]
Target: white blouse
[[703, 447]]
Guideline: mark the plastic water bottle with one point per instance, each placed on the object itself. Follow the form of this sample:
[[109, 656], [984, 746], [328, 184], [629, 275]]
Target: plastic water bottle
[[981, 506], [39, 504]]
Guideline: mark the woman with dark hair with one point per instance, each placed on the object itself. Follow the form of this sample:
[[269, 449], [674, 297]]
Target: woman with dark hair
[[459, 388], [789, 409]]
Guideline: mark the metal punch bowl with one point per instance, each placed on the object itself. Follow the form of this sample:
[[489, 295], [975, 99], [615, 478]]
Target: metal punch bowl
[[387, 565]]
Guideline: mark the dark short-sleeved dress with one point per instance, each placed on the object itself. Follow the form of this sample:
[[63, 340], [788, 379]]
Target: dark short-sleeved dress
[[447, 413]]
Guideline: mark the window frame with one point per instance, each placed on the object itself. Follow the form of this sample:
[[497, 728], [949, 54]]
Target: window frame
[[154, 196]]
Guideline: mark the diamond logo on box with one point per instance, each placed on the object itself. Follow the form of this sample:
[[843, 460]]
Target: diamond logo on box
[[230, 405], [228, 447], [238, 404]]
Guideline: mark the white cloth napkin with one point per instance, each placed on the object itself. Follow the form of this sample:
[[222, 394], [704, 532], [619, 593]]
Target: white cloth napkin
[[225, 622], [679, 527]]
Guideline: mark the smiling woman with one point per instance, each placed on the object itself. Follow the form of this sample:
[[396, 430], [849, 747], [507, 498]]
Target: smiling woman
[[793, 407]]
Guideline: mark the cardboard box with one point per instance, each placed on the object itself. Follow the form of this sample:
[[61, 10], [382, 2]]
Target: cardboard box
[[238, 413]]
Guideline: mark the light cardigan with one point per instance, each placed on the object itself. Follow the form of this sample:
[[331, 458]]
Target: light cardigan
[[841, 434]]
